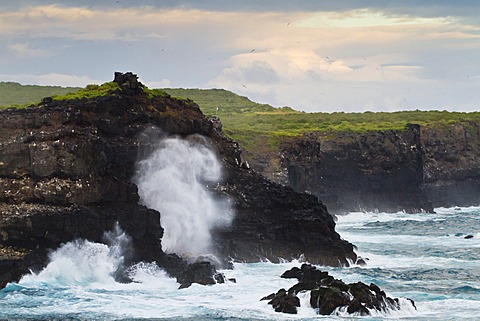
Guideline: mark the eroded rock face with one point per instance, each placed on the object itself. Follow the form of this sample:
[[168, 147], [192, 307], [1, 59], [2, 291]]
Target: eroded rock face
[[452, 165], [66, 169], [373, 171], [271, 221], [414, 169]]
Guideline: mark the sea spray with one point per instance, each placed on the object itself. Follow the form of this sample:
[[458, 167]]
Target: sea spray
[[82, 262], [173, 179]]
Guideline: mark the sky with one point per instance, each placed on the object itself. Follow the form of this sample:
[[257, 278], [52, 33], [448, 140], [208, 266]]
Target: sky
[[311, 55]]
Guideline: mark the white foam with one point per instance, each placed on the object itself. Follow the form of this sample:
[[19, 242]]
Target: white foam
[[78, 263]]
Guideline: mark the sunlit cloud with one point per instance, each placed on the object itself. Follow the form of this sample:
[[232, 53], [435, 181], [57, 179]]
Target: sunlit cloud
[[365, 18], [352, 59]]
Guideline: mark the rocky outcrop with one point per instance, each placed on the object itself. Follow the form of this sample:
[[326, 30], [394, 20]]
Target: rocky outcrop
[[452, 164], [273, 222], [66, 169], [203, 273], [329, 295], [352, 172]]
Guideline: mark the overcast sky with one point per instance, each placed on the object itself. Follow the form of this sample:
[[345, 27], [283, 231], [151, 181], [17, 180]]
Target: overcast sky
[[309, 55]]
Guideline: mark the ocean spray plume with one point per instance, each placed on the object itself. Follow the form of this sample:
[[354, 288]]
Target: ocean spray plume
[[173, 179]]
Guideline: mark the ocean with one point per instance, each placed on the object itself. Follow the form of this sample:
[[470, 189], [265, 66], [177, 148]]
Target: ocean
[[425, 257]]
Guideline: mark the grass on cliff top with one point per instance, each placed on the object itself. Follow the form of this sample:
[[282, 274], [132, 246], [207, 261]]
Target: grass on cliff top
[[90, 91], [239, 113], [260, 128], [13, 94]]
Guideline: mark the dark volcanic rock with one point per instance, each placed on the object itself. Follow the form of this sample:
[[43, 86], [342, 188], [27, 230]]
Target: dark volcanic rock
[[282, 301], [272, 221], [452, 166], [202, 273], [328, 295], [306, 273], [351, 172], [415, 169], [66, 169]]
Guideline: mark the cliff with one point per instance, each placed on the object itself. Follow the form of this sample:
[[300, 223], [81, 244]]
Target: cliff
[[411, 170], [66, 168], [452, 164], [380, 170]]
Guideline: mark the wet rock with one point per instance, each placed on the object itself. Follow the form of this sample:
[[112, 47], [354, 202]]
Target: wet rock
[[361, 261], [202, 273], [285, 302], [328, 295], [327, 299], [307, 273]]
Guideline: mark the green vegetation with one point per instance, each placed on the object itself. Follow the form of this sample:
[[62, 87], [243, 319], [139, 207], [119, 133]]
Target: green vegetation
[[239, 113], [90, 91], [227, 102], [257, 126], [13, 94], [156, 93]]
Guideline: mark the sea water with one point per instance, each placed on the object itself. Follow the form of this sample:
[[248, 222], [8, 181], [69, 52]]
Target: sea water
[[425, 257]]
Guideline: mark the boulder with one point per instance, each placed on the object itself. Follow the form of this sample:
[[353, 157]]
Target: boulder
[[202, 273], [284, 302]]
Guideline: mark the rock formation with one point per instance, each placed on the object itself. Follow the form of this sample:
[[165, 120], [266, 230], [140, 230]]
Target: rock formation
[[351, 172], [411, 170], [452, 166], [329, 295], [66, 169]]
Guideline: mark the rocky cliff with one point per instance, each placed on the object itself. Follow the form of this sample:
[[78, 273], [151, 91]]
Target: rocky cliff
[[452, 164], [66, 169], [350, 172], [414, 169]]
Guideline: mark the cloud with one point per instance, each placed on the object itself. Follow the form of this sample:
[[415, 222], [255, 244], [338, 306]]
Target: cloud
[[326, 54], [25, 50], [164, 83]]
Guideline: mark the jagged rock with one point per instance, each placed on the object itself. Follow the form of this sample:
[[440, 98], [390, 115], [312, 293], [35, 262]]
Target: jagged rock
[[328, 295], [127, 80], [307, 273], [303, 286], [361, 261], [285, 302], [327, 299], [293, 273]]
